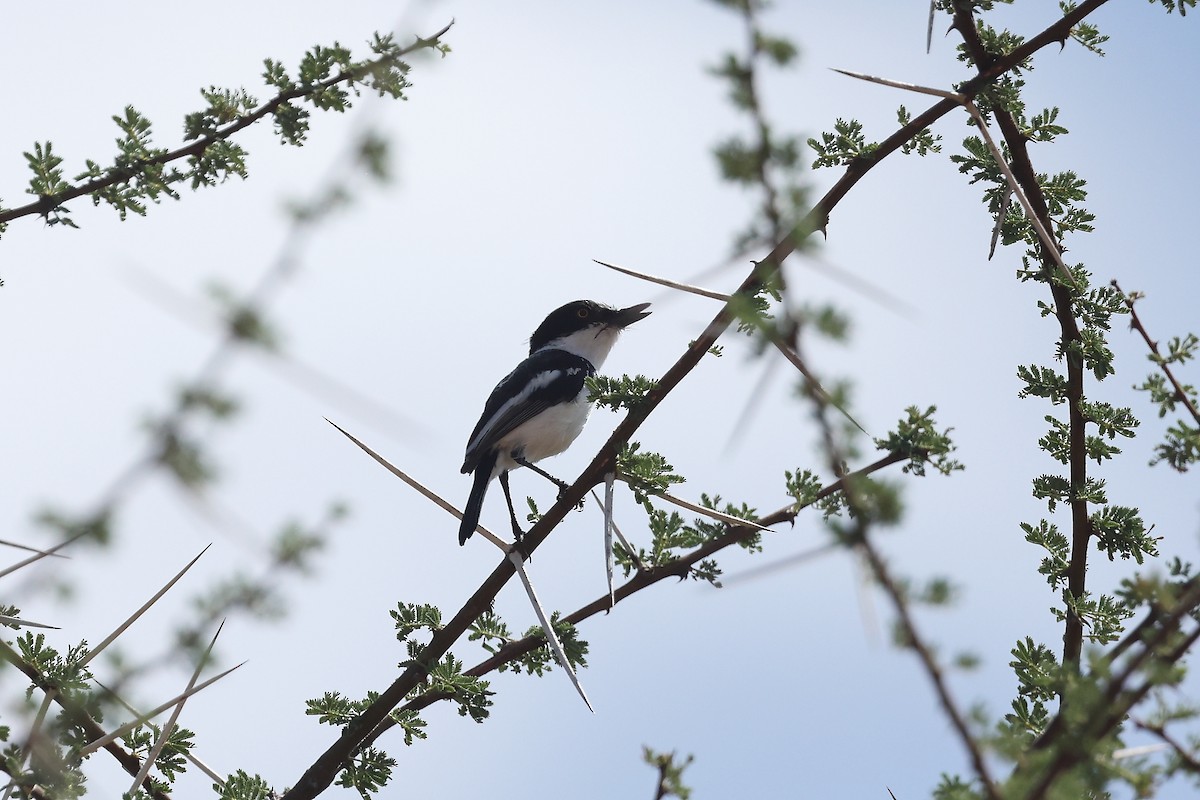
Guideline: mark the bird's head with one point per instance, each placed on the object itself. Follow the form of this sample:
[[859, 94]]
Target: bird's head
[[586, 328]]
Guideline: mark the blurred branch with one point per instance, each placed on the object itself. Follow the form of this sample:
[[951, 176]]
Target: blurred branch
[[79, 716], [1186, 757], [46, 204]]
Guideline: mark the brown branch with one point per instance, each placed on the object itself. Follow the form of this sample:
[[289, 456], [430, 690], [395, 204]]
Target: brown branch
[[47, 203], [79, 716], [1136, 324], [1022, 167], [326, 767], [644, 578]]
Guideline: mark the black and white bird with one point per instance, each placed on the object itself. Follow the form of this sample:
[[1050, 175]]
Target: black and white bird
[[540, 408]]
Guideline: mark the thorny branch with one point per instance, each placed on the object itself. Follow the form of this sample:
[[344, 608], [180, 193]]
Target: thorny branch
[[644, 578], [46, 204], [129, 762], [1022, 167], [1070, 748], [326, 767]]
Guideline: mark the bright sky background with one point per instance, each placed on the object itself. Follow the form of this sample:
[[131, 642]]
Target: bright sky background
[[554, 134]]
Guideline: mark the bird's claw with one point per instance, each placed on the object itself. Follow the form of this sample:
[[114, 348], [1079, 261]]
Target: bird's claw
[[562, 492]]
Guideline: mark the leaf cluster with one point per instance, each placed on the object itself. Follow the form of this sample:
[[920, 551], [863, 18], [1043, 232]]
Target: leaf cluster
[[917, 438], [620, 392]]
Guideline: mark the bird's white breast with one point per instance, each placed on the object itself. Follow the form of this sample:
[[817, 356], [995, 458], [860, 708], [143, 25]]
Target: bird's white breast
[[547, 434]]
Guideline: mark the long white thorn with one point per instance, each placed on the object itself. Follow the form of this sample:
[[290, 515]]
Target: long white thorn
[[140, 719], [427, 493], [42, 554], [189, 755], [26, 623], [712, 513], [547, 628], [620, 536], [34, 731], [165, 733], [112, 637], [683, 287], [609, 480]]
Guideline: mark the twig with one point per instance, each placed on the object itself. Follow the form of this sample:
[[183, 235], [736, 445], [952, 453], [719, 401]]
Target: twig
[[643, 579], [1068, 745], [914, 640], [1136, 324], [1022, 167], [79, 716], [1186, 757]]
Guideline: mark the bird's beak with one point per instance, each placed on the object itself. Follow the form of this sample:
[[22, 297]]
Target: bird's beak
[[625, 317]]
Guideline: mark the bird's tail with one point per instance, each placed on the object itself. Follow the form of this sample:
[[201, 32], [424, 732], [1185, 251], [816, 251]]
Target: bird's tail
[[483, 476]]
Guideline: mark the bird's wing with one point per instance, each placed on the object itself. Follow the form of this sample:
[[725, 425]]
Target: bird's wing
[[543, 380]]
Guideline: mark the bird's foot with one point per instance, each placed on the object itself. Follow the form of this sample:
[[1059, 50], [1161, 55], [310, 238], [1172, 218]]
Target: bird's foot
[[563, 486], [518, 544]]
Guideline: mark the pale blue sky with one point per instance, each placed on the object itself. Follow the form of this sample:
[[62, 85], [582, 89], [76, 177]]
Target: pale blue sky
[[555, 134]]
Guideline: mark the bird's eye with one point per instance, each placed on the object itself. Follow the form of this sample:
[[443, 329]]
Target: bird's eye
[[583, 312]]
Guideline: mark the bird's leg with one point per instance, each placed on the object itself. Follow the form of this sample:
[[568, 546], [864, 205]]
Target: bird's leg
[[562, 485], [518, 534]]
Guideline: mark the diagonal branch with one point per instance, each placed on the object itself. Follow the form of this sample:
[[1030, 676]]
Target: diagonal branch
[[47, 203], [644, 578], [1137, 325]]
